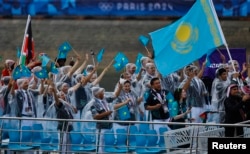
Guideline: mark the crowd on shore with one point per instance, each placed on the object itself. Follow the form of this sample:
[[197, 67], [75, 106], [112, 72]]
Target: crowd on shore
[[74, 93]]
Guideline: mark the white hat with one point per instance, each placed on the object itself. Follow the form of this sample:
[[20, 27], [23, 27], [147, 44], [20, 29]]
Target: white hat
[[20, 82], [9, 62], [89, 68], [36, 69], [97, 90]]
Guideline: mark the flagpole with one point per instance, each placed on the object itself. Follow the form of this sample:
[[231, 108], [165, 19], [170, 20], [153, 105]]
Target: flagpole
[[92, 55], [230, 58], [147, 50], [75, 52], [25, 32]]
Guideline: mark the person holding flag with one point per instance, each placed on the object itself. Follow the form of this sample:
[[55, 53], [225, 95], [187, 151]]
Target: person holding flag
[[126, 106], [135, 78], [218, 93], [196, 93], [101, 109]]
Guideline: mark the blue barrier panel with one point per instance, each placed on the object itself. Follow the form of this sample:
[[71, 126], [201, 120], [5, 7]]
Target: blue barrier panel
[[127, 8]]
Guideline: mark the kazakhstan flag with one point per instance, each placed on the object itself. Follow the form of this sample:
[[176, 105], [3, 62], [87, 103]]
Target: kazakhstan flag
[[187, 39]]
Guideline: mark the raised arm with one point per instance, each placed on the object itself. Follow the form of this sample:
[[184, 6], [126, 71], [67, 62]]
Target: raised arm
[[118, 90], [89, 76], [12, 90], [139, 75], [57, 102], [80, 69], [189, 79], [34, 84], [42, 89], [99, 78], [73, 69], [200, 74]]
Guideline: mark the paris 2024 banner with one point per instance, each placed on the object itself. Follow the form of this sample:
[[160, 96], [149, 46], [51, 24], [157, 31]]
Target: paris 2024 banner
[[113, 8]]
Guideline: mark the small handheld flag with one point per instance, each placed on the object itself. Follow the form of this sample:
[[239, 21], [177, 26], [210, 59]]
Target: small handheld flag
[[45, 60], [63, 50], [53, 68], [42, 74], [138, 62], [100, 55], [18, 52], [120, 61], [123, 113], [144, 40], [20, 71]]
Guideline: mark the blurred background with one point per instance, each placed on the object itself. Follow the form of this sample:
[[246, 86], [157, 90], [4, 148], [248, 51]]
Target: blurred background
[[115, 25]]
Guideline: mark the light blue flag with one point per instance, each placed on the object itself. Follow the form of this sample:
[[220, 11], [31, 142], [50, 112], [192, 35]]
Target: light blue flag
[[53, 68], [138, 62], [18, 52], [25, 71], [20, 71], [208, 62], [187, 39], [63, 50], [144, 40], [169, 97], [45, 60], [16, 74], [42, 74], [118, 66], [123, 113], [100, 55], [120, 61]]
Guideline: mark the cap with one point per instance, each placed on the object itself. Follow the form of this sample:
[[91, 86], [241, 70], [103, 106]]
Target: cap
[[97, 90]]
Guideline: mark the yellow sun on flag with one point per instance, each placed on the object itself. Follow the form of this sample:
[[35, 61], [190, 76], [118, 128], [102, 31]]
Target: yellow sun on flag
[[183, 33], [185, 37]]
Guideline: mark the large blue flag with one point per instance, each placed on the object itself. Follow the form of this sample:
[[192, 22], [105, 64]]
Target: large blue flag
[[63, 50], [42, 74], [144, 40], [138, 62], [100, 55], [187, 39], [120, 61]]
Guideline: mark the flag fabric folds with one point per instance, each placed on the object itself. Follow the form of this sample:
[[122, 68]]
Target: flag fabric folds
[[45, 60], [27, 51], [120, 61], [53, 68], [144, 40], [138, 62], [189, 38], [42, 74], [21, 71], [100, 55], [63, 50]]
